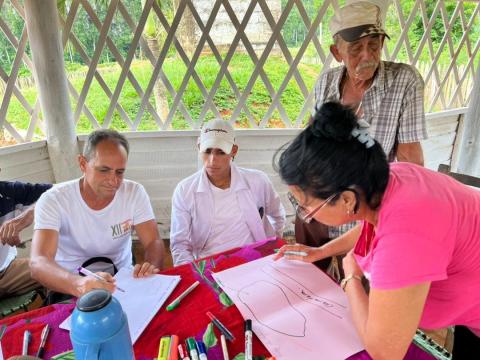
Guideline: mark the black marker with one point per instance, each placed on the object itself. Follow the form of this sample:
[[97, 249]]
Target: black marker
[[248, 339]]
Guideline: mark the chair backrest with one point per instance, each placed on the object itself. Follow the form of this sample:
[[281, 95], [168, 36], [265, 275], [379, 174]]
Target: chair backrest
[[463, 178], [19, 303]]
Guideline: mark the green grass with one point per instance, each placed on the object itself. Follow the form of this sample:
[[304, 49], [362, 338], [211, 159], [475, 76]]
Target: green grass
[[225, 100], [240, 68]]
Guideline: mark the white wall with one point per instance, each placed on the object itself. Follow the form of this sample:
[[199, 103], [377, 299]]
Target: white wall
[[159, 160]]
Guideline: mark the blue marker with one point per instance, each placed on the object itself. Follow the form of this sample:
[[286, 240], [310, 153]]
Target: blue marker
[[202, 350]]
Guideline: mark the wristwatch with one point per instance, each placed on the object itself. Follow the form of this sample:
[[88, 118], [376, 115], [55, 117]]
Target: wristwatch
[[346, 279]]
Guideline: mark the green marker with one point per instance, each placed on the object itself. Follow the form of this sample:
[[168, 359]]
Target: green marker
[[175, 302], [192, 348]]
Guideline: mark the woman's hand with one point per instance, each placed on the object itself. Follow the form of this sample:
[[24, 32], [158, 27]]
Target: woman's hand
[[304, 253], [350, 266]]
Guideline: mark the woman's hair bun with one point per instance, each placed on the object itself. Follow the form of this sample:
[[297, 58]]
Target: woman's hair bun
[[333, 121]]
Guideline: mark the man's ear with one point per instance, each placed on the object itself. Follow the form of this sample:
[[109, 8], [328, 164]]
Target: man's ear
[[234, 150], [336, 53], [82, 163]]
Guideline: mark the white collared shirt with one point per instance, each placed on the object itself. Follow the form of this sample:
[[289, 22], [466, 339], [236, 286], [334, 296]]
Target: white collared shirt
[[193, 212]]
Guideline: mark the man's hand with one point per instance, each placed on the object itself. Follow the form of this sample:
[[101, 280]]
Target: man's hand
[[10, 229], [145, 269], [84, 284]]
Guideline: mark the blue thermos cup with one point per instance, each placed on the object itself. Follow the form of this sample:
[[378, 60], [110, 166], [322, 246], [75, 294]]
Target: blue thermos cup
[[99, 328]]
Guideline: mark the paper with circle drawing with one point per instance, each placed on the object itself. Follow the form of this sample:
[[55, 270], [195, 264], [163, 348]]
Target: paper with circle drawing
[[298, 312], [148, 294]]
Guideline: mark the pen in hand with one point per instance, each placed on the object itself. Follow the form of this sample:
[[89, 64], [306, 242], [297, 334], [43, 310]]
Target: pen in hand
[[87, 272], [292, 252], [295, 253]]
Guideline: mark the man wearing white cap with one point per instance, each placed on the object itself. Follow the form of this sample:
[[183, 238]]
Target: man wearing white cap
[[388, 96], [222, 206]]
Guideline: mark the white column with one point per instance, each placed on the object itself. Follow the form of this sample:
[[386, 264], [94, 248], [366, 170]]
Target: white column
[[469, 154], [47, 54]]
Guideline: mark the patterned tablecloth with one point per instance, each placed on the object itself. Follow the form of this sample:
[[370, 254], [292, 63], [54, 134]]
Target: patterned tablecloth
[[189, 319]]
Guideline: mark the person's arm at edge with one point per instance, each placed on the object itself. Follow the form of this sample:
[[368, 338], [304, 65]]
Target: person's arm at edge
[[274, 209], [385, 319], [412, 123], [23, 193], [46, 271], [180, 230], [340, 245], [410, 152], [153, 246], [10, 229]]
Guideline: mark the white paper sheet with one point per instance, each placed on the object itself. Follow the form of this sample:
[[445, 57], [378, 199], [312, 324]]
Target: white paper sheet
[[297, 311], [142, 299]]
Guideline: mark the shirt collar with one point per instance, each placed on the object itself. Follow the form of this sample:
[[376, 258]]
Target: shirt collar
[[236, 183]]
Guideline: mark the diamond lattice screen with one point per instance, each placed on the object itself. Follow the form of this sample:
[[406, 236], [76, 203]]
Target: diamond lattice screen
[[158, 64]]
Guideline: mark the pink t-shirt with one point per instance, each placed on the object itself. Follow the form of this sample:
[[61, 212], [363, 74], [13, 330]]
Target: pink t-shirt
[[428, 230]]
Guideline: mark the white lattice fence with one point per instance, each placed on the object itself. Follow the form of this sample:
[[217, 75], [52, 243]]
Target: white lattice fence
[[270, 86]]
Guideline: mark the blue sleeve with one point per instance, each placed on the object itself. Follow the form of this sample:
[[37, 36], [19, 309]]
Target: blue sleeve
[[13, 193]]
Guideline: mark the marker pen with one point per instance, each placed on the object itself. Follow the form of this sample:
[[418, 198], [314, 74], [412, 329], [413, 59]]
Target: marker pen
[[202, 350], [295, 253], [172, 352], [248, 339], [192, 348], [183, 352], [27, 336], [224, 347]]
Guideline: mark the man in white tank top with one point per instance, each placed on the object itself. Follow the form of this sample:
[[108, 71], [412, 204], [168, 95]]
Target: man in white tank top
[[222, 206], [92, 218]]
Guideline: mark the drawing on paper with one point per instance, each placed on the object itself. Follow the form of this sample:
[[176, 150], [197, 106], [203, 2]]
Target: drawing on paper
[[296, 309], [279, 286], [332, 307], [252, 299]]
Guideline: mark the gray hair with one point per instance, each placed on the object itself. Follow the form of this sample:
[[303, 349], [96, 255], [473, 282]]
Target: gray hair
[[98, 136], [336, 39]]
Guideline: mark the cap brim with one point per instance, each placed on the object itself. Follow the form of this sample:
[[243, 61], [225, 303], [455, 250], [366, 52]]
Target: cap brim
[[225, 146], [357, 32]]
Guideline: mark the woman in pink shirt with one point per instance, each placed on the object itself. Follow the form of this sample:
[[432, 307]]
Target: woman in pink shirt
[[417, 242]]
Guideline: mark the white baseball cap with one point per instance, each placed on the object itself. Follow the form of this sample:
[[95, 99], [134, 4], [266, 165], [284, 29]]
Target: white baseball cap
[[357, 19], [217, 134]]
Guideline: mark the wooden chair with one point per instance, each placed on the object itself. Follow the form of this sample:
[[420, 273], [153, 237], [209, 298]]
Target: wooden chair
[[463, 178]]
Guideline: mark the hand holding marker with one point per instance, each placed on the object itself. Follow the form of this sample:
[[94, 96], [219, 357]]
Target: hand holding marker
[[292, 252], [87, 272]]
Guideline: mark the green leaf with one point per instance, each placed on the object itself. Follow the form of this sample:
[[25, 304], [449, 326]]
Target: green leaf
[[209, 337], [240, 356], [225, 299]]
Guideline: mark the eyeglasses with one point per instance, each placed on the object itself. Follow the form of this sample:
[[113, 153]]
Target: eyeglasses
[[303, 213]]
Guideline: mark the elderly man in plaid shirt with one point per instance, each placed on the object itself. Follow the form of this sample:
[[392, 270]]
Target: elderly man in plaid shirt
[[387, 96]]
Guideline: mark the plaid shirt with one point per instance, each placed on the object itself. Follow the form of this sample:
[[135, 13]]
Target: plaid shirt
[[393, 106]]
